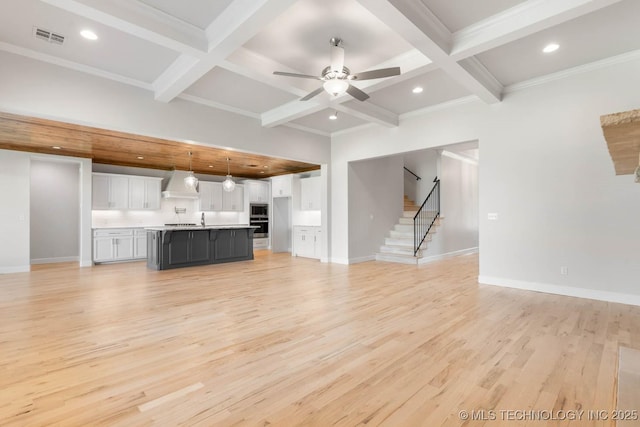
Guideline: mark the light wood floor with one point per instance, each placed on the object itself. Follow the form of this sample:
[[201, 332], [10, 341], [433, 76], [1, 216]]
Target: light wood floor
[[287, 341]]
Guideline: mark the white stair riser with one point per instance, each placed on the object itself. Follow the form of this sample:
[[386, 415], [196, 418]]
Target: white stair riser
[[406, 228], [401, 234], [397, 259], [398, 250]]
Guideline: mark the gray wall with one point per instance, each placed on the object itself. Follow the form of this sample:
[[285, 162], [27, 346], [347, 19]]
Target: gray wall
[[375, 204], [55, 211]]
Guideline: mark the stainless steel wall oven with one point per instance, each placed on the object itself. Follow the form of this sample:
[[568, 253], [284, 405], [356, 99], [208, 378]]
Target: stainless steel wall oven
[[259, 216]]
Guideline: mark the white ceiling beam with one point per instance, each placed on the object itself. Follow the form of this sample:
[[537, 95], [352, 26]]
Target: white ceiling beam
[[417, 25], [236, 25], [291, 111], [411, 63], [370, 112], [143, 22], [518, 22]]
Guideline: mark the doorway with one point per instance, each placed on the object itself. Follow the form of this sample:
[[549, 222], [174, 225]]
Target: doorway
[[281, 229], [54, 211]]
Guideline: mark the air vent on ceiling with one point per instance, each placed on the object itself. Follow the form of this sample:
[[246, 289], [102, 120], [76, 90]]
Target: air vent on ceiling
[[47, 36]]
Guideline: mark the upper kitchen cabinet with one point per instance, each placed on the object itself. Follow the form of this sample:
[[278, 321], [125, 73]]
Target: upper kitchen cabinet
[[144, 193], [233, 200], [110, 191], [258, 191], [310, 194], [281, 186], [210, 196]]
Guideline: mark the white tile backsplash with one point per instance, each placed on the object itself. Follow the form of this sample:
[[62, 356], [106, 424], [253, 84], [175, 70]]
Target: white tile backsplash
[[166, 214]]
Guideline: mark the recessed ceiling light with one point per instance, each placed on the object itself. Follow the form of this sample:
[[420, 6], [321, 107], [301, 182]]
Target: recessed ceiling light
[[417, 89], [210, 166], [261, 171], [265, 166], [140, 157], [334, 116], [551, 47], [56, 147], [89, 35]]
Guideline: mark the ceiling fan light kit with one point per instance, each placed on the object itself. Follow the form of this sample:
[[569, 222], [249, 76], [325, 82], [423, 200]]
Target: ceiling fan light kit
[[337, 77]]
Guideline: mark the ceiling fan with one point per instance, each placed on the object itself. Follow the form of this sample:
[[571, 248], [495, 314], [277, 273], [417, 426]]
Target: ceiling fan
[[337, 77]]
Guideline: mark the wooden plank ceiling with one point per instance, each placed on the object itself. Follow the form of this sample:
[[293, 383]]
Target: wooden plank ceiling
[[22, 133], [622, 133]]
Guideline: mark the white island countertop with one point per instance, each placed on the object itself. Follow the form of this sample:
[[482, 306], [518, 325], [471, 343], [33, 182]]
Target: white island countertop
[[200, 227]]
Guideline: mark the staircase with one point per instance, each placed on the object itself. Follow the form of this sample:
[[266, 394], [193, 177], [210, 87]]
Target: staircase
[[399, 246]]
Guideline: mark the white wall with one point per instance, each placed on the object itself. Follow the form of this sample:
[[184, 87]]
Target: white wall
[[39, 89], [458, 230], [55, 211], [375, 204], [545, 170], [14, 211], [423, 163]]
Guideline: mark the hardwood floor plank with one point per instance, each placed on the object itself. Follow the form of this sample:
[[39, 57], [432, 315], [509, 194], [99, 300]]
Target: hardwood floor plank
[[290, 341]]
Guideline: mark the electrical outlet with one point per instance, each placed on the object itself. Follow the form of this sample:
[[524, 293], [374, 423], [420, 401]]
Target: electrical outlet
[[564, 270]]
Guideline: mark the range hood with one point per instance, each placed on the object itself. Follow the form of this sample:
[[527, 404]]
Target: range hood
[[177, 189]]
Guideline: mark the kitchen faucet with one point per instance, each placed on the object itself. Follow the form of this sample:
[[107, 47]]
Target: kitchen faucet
[[202, 219]]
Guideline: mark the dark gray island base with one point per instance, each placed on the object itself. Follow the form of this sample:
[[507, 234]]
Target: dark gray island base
[[175, 247]]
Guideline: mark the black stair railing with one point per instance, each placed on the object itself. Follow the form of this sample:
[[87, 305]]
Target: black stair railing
[[417, 177], [426, 216]]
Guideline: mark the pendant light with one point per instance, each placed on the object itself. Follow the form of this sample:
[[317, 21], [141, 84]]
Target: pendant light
[[190, 181], [228, 184]]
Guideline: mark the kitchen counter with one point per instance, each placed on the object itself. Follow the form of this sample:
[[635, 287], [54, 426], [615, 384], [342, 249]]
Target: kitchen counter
[[175, 246], [199, 227]]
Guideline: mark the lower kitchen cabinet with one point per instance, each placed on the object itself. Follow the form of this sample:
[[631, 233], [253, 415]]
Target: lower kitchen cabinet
[[140, 243], [230, 245], [182, 248], [261, 243], [186, 248], [111, 245], [307, 242]]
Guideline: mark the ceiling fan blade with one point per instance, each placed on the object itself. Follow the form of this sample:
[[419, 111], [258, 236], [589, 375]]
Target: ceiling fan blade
[[312, 94], [377, 74], [357, 93], [304, 76], [337, 59]]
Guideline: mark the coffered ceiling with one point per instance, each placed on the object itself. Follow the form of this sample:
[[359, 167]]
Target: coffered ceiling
[[223, 53]]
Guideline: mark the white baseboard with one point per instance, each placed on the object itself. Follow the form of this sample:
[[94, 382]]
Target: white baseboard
[[54, 260], [439, 257], [16, 269], [347, 261], [570, 291], [362, 259]]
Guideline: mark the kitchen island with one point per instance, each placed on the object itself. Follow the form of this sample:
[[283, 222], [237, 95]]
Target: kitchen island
[[185, 246]]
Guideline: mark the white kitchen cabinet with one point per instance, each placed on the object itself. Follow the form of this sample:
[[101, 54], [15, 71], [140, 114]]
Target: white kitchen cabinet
[[281, 186], [233, 200], [140, 244], [113, 245], [144, 193], [310, 192], [260, 243], [258, 191], [306, 241], [210, 196], [110, 191]]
